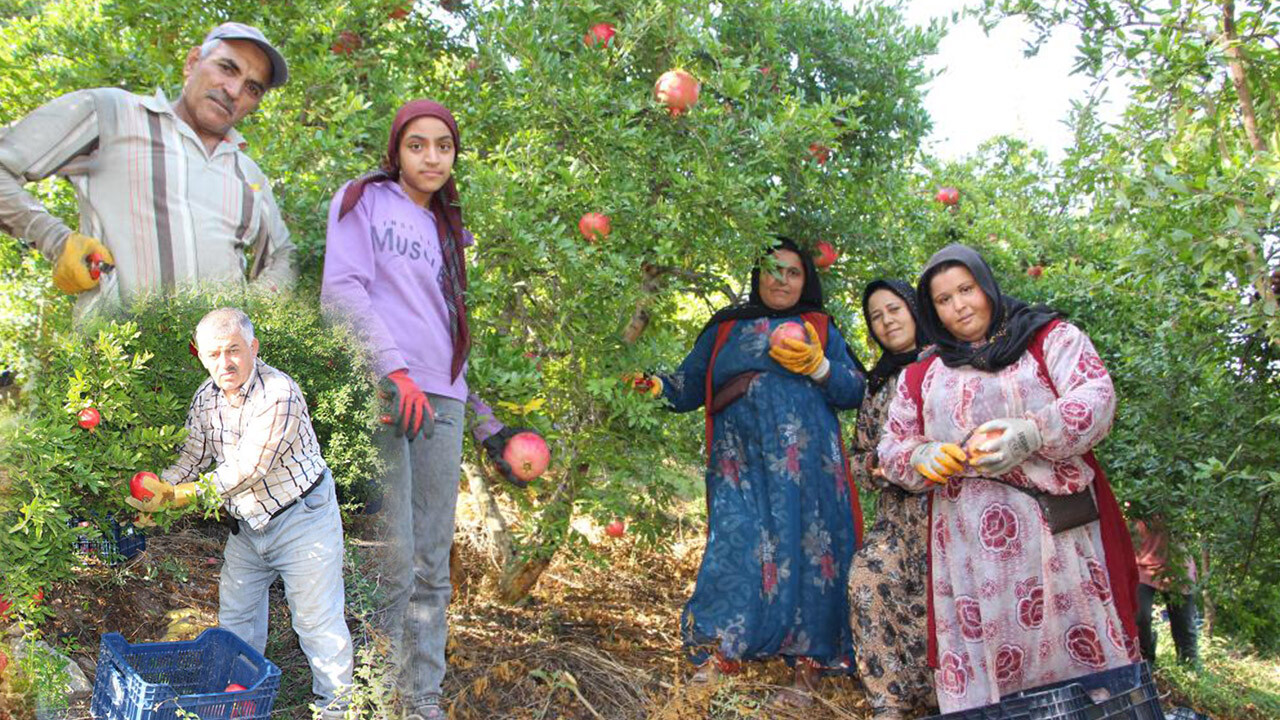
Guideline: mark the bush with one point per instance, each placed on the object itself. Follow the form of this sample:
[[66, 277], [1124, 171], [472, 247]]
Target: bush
[[136, 370]]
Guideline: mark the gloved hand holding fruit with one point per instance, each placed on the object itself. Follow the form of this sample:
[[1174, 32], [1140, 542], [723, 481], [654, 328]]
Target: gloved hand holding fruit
[[407, 404], [149, 493], [644, 383], [799, 356], [520, 454], [998, 446], [938, 461]]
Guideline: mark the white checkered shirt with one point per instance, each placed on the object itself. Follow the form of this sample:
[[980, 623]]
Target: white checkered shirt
[[265, 450]]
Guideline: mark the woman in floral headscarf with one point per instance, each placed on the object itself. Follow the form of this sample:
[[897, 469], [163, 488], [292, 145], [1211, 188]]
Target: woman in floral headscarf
[[887, 581], [1032, 576]]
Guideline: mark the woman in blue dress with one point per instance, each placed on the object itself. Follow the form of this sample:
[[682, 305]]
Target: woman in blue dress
[[783, 519]]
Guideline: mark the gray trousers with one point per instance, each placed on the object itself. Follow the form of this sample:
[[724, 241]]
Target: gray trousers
[[303, 546], [420, 494]]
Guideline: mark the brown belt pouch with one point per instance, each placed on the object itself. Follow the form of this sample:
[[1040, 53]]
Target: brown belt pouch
[[732, 391], [1061, 512], [1066, 512]]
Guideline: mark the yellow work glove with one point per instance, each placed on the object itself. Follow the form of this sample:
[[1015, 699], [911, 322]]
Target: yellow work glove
[[163, 495], [650, 385], [71, 273], [938, 461], [803, 358]]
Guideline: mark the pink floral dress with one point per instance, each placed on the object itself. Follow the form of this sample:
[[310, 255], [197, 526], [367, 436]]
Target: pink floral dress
[[1014, 605]]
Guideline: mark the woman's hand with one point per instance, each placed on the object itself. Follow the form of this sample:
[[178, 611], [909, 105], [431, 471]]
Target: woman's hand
[[650, 385], [1015, 440], [938, 461], [410, 410], [803, 358]]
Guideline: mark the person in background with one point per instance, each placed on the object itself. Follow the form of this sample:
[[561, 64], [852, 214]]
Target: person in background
[[250, 421], [1032, 576], [1155, 576], [395, 269], [782, 513]]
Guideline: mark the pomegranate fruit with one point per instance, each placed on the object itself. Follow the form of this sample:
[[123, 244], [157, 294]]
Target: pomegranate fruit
[[594, 226], [88, 418], [138, 489], [528, 455], [787, 331], [676, 89]]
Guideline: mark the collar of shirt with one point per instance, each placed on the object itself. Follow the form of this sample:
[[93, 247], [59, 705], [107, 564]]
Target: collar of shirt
[[160, 104]]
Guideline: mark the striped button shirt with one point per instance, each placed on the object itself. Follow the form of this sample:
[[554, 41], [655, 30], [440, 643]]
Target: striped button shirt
[[170, 212], [262, 443]]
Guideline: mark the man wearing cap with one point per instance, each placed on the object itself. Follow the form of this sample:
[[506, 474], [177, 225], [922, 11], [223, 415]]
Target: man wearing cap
[[166, 193]]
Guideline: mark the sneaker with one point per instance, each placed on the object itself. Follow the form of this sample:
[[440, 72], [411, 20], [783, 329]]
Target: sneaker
[[428, 710]]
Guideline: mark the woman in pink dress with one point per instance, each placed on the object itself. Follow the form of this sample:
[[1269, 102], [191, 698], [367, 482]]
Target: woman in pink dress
[[1032, 578]]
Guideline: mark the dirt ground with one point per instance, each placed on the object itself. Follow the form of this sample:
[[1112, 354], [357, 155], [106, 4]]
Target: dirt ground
[[594, 641]]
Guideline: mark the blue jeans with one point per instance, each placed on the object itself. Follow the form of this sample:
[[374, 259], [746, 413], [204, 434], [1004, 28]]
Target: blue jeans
[[303, 546], [420, 493]]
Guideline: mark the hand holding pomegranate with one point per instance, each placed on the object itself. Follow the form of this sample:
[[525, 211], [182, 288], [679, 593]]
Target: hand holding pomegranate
[[519, 454], [1008, 442], [149, 493], [938, 461], [801, 357], [644, 383]]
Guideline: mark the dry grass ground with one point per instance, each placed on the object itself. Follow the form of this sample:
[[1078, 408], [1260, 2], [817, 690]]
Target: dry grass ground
[[597, 641]]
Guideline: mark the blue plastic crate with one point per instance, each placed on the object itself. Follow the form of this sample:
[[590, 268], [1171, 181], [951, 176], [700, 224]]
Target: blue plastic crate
[[1124, 693], [126, 541], [151, 681]]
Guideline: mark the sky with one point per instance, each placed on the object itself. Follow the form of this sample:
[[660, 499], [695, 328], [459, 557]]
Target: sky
[[986, 87]]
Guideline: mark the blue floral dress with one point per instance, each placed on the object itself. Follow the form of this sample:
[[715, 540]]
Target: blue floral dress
[[781, 509]]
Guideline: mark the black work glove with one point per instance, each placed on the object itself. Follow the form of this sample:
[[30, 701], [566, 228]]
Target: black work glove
[[495, 445]]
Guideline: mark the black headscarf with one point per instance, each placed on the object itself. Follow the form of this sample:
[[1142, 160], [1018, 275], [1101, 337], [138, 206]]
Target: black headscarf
[[1013, 322], [890, 363], [810, 295]]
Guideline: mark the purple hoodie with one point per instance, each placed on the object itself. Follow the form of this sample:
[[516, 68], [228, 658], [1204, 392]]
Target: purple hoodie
[[383, 270]]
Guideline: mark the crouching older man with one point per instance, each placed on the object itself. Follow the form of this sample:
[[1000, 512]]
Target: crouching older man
[[251, 421]]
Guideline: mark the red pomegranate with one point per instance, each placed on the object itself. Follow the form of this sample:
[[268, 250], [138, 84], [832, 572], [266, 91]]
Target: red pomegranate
[[676, 89], [138, 490], [600, 33], [244, 708], [947, 196], [594, 226], [615, 529], [826, 256], [787, 331], [89, 418], [528, 455]]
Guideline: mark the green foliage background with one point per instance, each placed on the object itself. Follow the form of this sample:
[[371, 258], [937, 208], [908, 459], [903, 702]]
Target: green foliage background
[[1151, 232]]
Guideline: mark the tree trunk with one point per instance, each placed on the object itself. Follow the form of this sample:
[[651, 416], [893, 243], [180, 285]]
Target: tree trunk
[[495, 525], [1235, 64], [1210, 610], [640, 317], [518, 576]]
